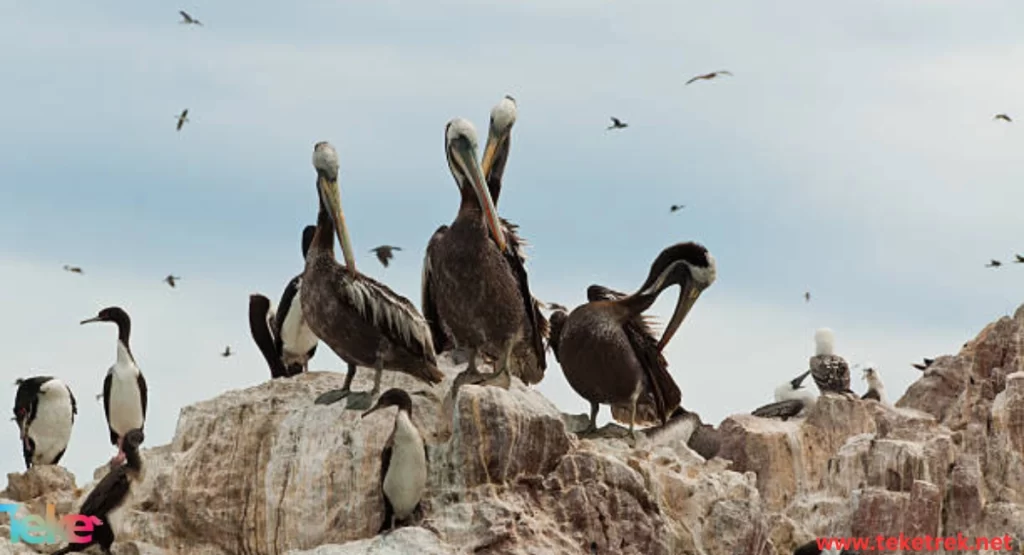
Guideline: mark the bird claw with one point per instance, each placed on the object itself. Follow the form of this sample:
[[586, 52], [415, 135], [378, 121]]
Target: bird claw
[[359, 400], [332, 396]]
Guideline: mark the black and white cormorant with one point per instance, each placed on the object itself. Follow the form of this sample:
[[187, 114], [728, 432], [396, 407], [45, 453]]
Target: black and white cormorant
[[284, 338], [830, 371], [125, 396], [403, 462], [45, 410], [109, 494]]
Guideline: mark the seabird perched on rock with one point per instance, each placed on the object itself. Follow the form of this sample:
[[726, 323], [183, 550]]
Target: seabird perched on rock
[[45, 410], [830, 372], [125, 396], [403, 462], [794, 389], [283, 337], [109, 494], [876, 390], [362, 320], [475, 286], [924, 366], [608, 352]]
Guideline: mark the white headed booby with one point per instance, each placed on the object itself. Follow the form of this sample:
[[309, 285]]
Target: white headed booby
[[794, 389], [283, 336], [125, 396], [830, 372], [403, 469], [45, 410], [876, 390], [109, 494]]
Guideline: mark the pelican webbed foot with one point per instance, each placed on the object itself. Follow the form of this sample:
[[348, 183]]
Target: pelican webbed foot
[[332, 396], [360, 400]]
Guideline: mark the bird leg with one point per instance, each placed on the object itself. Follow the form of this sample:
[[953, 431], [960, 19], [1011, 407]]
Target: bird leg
[[501, 378], [470, 374], [335, 395], [120, 458], [361, 400]]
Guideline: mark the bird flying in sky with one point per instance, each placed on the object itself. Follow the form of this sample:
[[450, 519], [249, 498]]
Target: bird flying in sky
[[676, 207], [171, 280], [384, 253], [618, 124], [227, 352], [994, 264], [182, 118], [708, 76], [1003, 117], [1020, 259], [188, 19], [73, 269], [807, 296], [556, 306]]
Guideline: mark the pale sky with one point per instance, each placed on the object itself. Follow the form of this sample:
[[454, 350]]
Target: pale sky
[[853, 154]]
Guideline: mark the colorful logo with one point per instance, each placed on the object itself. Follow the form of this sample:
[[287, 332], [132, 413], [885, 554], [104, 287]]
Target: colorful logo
[[34, 529]]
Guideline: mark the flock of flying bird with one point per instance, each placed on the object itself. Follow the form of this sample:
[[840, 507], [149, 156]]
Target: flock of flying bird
[[475, 299]]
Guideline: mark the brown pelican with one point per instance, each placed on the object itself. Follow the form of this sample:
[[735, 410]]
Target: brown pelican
[[617, 124], [363, 321], [474, 285], [708, 76], [608, 352], [1003, 117], [182, 119], [385, 253], [187, 19]]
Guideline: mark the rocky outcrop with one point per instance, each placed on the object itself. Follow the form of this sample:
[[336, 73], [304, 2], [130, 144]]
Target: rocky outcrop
[[265, 471]]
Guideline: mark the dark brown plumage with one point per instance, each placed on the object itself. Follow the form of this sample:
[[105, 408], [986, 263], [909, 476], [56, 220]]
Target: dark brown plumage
[[607, 350], [782, 409], [363, 321], [994, 264], [708, 76], [188, 19], [109, 494], [1003, 117], [73, 269], [1019, 259], [172, 280], [475, 287]]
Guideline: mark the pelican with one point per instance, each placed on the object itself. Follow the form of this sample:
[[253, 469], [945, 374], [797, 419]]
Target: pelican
[[363, 321], [474, 285], [528, 361], [608, 352]]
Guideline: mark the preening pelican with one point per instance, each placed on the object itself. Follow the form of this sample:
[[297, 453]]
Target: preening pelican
[[528, 361], [606, 348], [474, 285], [363, 321]]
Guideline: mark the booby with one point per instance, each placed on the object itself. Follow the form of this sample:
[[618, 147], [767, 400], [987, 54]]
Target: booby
[[876, 390], [784, 409], [125, 396], [362, 320], [109, 494], [403, 462], [474, 284], [608, 352], [45, 410], [794, 389], [830, 372], [283, 337]]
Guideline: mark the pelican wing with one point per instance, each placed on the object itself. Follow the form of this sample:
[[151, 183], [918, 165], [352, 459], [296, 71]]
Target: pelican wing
[[664, 396], [442, 340], [557, 323], [538, 325]]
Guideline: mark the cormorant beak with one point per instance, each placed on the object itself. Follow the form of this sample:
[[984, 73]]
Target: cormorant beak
[[90, 320], [495, 140], [330, 195], [466, 159], [374, 409], [687, 296]]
